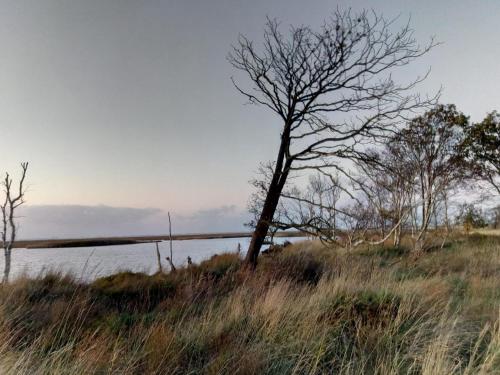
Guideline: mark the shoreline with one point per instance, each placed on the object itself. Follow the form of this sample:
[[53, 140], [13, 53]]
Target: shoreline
[[131, 240]]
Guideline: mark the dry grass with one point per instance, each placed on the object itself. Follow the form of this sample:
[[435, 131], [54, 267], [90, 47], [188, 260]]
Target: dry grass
[[308, 310], [487, 231]]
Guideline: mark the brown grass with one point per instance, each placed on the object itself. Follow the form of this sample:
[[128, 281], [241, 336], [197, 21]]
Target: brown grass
[[308, 310]]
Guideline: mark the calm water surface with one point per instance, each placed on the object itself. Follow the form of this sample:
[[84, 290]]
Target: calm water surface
[[91, 262]]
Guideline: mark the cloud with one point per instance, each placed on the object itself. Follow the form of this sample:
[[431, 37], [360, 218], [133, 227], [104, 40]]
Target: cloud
[[216, 212], [218, 219], [66, 221]]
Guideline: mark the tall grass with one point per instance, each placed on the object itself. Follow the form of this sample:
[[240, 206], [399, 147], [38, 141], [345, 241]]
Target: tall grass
[[308, 310]]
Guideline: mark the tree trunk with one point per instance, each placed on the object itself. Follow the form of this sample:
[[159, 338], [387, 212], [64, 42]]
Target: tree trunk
[[422, 235], [334, 234], [158, 258], [446, 221], [280, 175], [397, 236], [426, 218], [262, 227], [6, 271]]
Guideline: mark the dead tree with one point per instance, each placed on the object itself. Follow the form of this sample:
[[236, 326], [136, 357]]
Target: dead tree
[[158, 258], [316, 211], [331, 89], [170, 259], [387, 182], [14, 197], [357, 220], [313, 210], [326, 190]]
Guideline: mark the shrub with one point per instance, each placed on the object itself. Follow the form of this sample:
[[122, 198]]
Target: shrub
[[367, 307], [134, 290], [298, 266], [219, 266]]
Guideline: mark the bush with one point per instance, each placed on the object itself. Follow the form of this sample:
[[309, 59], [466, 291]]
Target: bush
[[134, 290], [219, 266], [470, 217]]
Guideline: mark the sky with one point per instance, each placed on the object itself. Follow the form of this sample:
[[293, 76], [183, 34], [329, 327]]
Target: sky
[[126, 110]]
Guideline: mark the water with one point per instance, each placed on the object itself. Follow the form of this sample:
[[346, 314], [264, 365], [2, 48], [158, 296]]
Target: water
[[91, 262]]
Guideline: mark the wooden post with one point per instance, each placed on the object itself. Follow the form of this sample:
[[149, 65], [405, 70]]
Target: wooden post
[[170, 235], [160, 269], [170, 258]]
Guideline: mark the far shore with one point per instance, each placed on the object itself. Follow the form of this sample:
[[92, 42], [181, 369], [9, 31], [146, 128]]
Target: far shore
[[130, 240]]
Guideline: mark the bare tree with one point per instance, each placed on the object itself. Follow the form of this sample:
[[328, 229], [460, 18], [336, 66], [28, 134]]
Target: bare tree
[[170, 259], [14, 197], [326, 189], [388, 182], [313, 210], [332, 90], [358, 219], [316, 210]]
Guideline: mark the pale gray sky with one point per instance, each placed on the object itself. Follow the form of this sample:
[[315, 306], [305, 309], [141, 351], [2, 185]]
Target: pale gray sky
[[130, 103]]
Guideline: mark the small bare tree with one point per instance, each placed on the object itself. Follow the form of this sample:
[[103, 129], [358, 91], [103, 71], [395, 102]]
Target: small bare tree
[[388, 183], [313, 210], [14, 197], [357, 220], [326, 190], [332, 90], [170, 259]]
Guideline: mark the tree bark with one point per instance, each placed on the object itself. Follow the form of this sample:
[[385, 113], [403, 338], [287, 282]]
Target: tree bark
[[158, 257], [265, 219], [278, 181], [8, 262], [397, 236]]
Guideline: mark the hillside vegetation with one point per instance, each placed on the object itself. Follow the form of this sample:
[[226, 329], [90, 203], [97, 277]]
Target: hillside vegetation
[[306, 310]]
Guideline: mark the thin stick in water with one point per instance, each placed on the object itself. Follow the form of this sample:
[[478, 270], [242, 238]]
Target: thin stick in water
[[160, 269]]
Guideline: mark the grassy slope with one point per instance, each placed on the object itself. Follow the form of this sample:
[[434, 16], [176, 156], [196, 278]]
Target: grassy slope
[[308, 310]]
